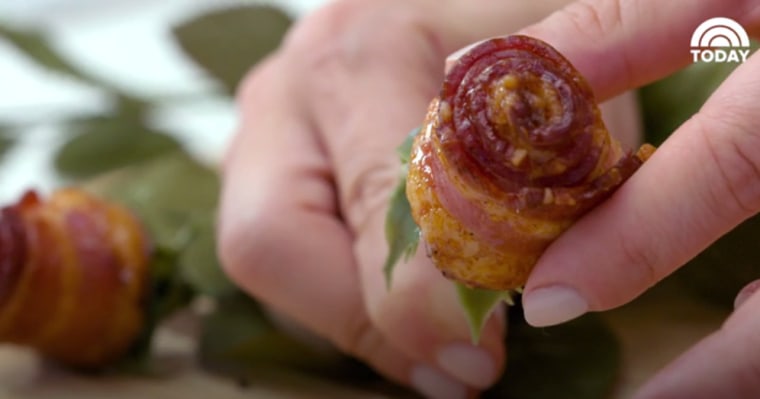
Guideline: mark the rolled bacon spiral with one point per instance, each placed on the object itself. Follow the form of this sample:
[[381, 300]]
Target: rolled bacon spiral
[[512, 151], [73, 271]]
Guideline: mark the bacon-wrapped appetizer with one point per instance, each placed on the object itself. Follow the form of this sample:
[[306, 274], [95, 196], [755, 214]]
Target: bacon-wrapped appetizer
[[73, 277], [512, 151]]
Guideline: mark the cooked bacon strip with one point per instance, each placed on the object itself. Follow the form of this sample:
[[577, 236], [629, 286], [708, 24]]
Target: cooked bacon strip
[[512, 151], [73, 274]]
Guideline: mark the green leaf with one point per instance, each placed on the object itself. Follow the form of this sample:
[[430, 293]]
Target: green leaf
[[401, 232], [720, 271], [35, 46], [201, 268], [725, 267], [175, 182], [167, 294], [478, 305], [404, 151], [229, 42], [669, 102], [239, 340], [6, 142], [580, 359], [109, 142], [176, 198], [238, 335]]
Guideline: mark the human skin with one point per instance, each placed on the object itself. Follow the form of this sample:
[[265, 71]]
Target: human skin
[[307, 181]]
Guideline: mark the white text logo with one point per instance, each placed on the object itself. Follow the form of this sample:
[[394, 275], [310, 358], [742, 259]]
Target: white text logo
[[720, 40]]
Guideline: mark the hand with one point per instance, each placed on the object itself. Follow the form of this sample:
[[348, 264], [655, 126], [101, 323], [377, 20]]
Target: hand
[[702, 182], [309, 176]]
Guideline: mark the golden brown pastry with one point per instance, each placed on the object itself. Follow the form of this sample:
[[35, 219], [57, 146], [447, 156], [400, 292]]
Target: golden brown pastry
[[512, 151], [73, 277]]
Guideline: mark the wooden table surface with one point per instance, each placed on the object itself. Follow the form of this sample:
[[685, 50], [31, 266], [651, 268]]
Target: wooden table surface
[[652, 331]]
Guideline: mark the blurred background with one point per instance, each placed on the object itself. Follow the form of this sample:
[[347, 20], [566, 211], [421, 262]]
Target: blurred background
[[67, 64], [89, 87]]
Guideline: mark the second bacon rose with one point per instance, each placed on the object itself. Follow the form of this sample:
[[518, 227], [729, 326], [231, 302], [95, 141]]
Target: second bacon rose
[[73, 277]]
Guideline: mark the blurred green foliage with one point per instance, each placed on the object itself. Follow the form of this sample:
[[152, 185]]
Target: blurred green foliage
[[401, 232], [227, 43], [580, 360], [36, 46], [6, 141], [176, 198], [239, 336], [478, 304], [106, 142], [725, 267], [719, 272], [124, 157], [120, 155], [669, 102]]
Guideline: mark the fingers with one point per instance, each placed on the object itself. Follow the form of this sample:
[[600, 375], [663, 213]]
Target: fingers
[[623, 120], [465, 21], [746, 293], [700, 184], [280, 238], [401, 70], [618, 45], [724, 365]]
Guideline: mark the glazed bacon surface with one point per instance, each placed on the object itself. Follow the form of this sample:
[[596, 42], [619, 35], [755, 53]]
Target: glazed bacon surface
[[73, 274], [512, 151]]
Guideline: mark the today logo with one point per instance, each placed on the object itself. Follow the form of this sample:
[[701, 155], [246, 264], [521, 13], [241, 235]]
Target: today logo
[[720, 40]]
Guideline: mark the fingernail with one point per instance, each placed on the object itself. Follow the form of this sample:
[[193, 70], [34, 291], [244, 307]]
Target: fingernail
[[470, 364], [453, 57], [436, 385], [746, 292], [553, 305], [459, 53]]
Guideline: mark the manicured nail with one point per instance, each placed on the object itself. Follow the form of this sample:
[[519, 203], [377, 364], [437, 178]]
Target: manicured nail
[[553, 305], [435, 385], [746, 292], [453, 57], [469, 364]]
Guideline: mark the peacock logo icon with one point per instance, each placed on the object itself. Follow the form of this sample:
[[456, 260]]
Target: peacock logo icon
[[720, 39]]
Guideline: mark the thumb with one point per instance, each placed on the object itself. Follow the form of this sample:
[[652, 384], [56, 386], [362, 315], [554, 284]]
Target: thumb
[[619, 45], [700, 184], [722, 365], [374, 90]]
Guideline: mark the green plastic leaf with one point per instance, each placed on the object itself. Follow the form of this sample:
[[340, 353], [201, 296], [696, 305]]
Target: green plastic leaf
[[401, 232], [478, 305], [109, 142], [229, 42], [580, 359]]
